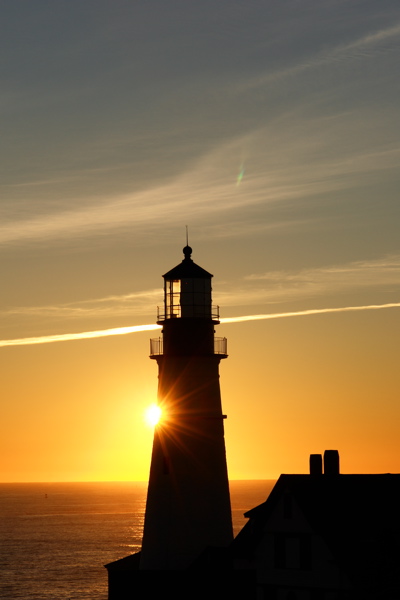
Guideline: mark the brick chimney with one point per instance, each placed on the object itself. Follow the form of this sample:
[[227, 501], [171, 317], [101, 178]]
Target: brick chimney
[[331, 462], [315, 464]]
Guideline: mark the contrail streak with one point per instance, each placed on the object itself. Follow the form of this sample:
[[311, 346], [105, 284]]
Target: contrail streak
[[84, 335], [313, 311], [46, 339]]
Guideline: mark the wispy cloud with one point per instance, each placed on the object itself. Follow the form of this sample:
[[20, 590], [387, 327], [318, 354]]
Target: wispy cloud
[[377, 271], [182, 142], [360, 48], [151, 327], [253, 289], [282, 286], [286, 160], [110, 306], [382, 272], [372, 39]]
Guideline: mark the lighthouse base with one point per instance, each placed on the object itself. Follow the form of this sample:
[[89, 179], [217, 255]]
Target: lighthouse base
[[211, 576]]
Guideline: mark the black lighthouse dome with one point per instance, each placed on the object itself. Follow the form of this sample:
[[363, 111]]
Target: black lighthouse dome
[[187, 269]]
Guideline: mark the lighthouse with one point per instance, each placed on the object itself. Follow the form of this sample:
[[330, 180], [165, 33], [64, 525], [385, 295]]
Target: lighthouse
[[188, 505]]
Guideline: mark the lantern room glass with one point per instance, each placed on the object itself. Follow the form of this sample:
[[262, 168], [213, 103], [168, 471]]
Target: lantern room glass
[[188, 298], [172, 299]]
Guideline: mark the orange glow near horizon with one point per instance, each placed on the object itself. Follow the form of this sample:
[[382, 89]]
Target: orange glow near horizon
[[276, 416]]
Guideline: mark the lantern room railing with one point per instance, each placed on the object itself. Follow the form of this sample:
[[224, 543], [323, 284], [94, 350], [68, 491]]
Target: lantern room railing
[[192, 311], [220, 346]]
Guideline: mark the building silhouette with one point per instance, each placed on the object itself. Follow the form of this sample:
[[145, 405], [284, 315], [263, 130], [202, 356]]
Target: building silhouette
[[323, 536]]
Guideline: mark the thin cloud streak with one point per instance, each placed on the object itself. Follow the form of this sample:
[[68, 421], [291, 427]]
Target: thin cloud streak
[[361, 48], [93, 308], [353, 276], [125, 330], [46, 339], [385, 269], [314, 311], [278, 286]]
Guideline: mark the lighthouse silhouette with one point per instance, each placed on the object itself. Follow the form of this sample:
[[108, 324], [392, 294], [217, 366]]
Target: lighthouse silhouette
[[188, 522], [188, 504]]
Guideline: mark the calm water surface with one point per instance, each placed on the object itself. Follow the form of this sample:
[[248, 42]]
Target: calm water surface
[[56, 537]]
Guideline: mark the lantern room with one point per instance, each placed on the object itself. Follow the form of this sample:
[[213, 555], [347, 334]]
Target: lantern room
[[187, 317], [187, 292]]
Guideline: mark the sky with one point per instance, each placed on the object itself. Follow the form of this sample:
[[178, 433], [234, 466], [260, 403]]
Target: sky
[[271, 129]]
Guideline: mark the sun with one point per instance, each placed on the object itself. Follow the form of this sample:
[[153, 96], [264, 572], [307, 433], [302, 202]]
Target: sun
[[152, 415]]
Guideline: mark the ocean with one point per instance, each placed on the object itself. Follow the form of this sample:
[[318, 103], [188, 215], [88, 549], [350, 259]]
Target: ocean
[[55, 538]]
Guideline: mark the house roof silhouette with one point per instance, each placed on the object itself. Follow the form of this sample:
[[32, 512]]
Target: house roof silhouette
[[347, 530]]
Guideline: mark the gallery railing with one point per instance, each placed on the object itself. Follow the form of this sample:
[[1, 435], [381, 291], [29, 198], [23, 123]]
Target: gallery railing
[[193, 311], [220, 346]]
